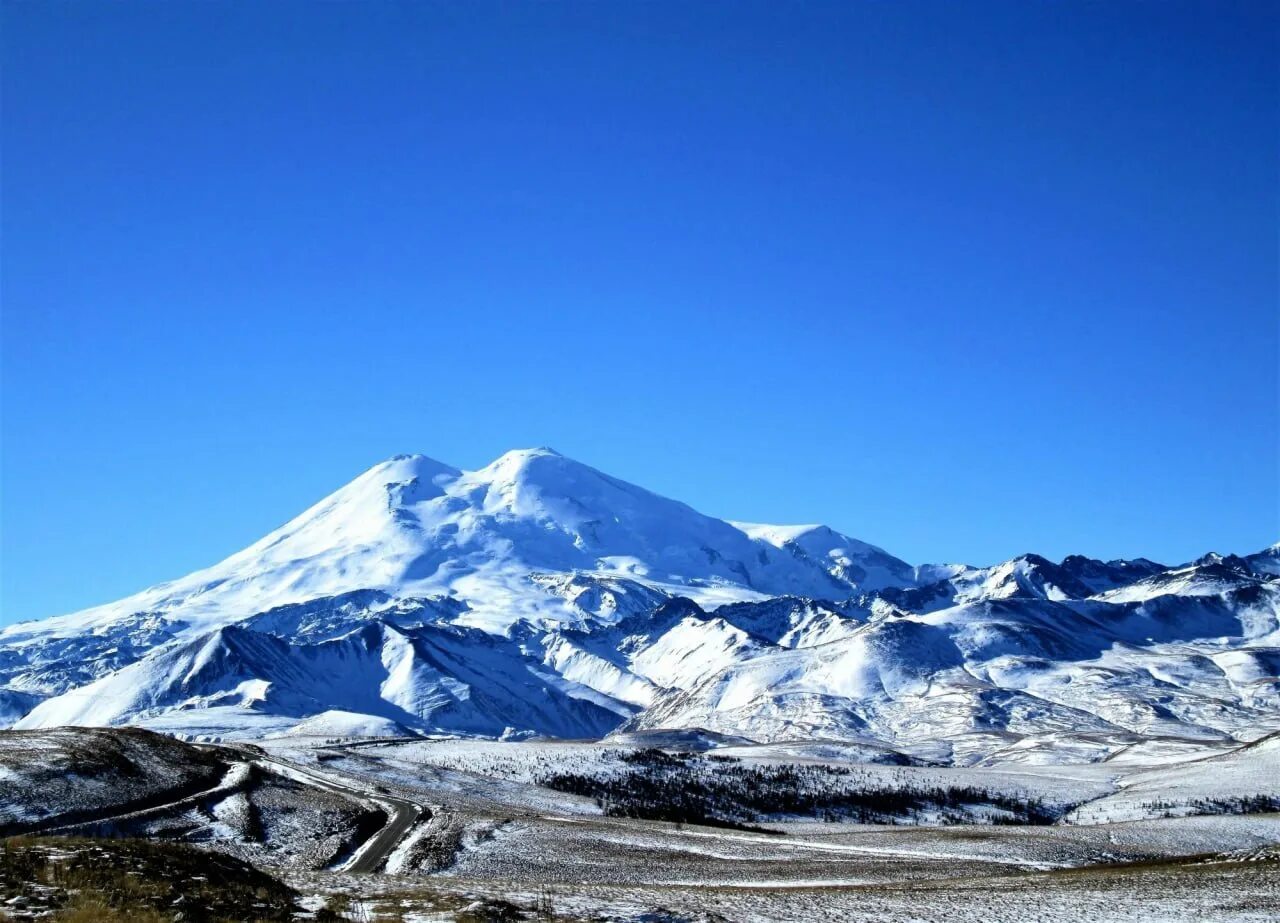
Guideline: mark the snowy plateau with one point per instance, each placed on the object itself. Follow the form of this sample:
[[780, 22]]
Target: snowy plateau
[[538, 597]]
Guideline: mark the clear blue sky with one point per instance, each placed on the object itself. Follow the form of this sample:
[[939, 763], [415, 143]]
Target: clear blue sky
[[962, 280]]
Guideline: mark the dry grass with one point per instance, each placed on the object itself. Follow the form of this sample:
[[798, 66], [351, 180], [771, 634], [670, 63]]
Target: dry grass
[[76, 879]]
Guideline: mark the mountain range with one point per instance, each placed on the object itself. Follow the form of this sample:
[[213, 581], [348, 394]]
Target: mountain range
[[539, 597]]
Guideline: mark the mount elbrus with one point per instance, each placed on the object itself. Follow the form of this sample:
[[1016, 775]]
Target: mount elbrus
[[540, 597]]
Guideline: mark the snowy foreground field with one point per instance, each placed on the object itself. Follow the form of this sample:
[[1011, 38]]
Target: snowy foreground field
[[415, 829]]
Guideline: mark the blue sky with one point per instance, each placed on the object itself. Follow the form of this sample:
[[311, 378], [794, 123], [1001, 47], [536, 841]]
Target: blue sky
[[964, 281]]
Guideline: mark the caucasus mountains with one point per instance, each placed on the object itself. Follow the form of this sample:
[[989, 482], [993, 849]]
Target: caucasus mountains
[[538, 596]]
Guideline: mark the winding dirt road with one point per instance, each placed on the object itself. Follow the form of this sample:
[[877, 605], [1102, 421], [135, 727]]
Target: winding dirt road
[[402, 814], [365, 858]]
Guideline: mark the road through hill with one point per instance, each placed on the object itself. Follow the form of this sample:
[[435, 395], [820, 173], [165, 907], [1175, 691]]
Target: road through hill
[[402, 814]]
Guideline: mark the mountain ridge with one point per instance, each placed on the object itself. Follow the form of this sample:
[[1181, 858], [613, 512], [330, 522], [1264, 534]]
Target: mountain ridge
[[537, 595], [416, 526]]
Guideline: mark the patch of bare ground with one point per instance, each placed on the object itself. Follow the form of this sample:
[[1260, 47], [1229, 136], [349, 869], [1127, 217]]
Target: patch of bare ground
[[70, 880]]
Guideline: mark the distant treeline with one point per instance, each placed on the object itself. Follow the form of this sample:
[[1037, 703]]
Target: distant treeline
[[719, 791], [1246, 804]]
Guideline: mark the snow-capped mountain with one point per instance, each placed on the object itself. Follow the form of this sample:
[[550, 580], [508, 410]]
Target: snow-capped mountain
[[414, 527], [537, 595]]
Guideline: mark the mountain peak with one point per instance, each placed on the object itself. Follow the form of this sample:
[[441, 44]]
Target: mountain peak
[[520, 459], [535, 451], [407, 467], [544, 485], [412, 526]]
